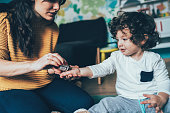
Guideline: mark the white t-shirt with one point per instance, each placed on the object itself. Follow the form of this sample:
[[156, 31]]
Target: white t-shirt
[[135, 78]]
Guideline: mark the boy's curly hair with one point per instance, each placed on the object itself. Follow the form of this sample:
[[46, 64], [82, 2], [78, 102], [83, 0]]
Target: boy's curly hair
[[140, 25]]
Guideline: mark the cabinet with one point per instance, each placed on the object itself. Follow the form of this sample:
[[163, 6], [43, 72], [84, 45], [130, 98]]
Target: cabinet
[[135, 3], [162, 26]]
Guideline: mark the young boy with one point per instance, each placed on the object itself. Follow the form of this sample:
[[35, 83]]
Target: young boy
[[142, 81]]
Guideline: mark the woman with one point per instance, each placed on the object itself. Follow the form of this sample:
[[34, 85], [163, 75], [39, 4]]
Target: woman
[[28, 82]]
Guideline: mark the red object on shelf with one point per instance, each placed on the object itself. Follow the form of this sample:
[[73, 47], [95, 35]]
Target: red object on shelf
[[161, 25], [161, 6], [143, 9]]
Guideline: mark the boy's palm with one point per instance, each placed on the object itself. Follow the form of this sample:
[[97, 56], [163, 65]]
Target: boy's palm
[[153, 101], [74, 72]]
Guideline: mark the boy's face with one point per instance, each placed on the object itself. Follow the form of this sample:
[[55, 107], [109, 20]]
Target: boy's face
[[125, 45]]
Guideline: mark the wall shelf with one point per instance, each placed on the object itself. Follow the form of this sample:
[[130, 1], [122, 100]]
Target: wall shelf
[[162, 45], [144, 3]]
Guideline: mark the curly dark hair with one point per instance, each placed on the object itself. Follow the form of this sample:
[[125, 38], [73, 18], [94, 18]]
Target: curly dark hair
[[140, 25], [20, 14]]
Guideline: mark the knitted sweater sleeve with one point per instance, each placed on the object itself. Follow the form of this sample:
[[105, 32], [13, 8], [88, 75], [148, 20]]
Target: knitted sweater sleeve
[[4, 52]]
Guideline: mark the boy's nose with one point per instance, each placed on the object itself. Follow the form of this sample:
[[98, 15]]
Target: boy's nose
[[119, 43]]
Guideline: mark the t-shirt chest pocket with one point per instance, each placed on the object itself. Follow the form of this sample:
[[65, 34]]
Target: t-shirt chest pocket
[[146, 76]]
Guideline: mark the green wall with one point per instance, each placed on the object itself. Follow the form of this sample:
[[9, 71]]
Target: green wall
[[4, 1], [164, 52]]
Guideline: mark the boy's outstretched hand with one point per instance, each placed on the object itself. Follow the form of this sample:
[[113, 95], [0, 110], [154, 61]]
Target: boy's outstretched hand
[[74, 72], [155, 101]]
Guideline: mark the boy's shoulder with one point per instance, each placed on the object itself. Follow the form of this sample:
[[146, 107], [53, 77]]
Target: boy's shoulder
[[152, 56], [148, 55]]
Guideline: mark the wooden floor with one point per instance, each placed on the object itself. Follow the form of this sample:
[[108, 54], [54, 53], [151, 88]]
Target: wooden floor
[[108, 84]]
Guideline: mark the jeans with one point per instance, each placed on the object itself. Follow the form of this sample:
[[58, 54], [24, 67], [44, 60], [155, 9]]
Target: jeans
[[59, 95]]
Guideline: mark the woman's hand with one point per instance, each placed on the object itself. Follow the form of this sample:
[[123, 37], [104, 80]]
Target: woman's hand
[[50, 60], [154, 101]]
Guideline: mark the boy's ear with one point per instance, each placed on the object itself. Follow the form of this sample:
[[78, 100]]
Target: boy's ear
[[144, 41]]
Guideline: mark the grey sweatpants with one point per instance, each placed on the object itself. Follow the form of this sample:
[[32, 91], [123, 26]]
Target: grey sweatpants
[[122, 105]]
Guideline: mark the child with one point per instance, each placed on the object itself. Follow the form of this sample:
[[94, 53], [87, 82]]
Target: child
[[142, 81]]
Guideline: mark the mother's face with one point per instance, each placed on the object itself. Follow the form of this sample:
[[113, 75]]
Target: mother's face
[[47, 8]]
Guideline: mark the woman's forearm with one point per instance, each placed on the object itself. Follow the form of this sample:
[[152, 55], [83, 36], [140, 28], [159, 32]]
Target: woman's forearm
[[9, 68]]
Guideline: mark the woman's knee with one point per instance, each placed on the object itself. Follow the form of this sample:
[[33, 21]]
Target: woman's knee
[[65, 96], [85, 101], [21, 101]]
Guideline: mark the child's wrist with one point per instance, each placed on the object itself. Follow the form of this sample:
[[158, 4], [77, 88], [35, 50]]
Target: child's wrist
[[163, 99], [79, 72]]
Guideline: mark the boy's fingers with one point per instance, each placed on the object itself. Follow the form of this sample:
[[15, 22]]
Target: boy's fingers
[[157, 109], [76, 66], [67, 77], [70, 76], [161, 111], [147, 95], [149, 106], [65, 73], [61, 76], [146, 102], [154, 105]]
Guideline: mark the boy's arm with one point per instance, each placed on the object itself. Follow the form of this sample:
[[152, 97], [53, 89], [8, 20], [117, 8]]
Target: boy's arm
[[76, 71], [163, 85], [99, 70], [161, 75]]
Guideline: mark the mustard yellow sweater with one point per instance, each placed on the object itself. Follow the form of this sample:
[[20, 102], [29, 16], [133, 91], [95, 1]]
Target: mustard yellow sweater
[[45, 37]]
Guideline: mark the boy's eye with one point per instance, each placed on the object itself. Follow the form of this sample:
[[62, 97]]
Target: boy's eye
[[117, 39], [124, 39]]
